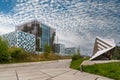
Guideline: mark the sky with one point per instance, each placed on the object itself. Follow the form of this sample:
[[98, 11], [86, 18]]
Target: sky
[[77, 22]]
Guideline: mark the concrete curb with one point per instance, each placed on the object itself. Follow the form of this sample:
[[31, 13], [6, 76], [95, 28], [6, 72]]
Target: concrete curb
[[88, 62], [28, 63]]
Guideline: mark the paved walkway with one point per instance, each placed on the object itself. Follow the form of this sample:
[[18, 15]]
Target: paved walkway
[[53, 70]]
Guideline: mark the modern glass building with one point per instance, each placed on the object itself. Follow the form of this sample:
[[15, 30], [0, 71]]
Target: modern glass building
[[71, 51], [32, 33], [60, 49]]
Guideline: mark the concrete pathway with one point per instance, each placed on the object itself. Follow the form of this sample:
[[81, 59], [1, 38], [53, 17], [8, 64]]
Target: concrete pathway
[[52, 70]]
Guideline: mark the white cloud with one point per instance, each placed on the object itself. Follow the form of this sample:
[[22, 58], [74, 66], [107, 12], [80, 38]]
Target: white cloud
[[5, 29]]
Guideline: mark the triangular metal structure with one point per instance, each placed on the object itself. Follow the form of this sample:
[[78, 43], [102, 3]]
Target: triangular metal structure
[[103, 49]]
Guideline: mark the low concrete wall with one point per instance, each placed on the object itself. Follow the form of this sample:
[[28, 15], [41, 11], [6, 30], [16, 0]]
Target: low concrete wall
[[88, 62]]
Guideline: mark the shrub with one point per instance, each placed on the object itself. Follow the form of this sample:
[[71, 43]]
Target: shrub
[[18, 53], [76, 57], [4, 55]]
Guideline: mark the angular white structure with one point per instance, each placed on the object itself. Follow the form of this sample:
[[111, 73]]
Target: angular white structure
[[103, 49]]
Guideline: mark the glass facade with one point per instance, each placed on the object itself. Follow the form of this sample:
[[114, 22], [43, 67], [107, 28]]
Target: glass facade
[[45, 39]]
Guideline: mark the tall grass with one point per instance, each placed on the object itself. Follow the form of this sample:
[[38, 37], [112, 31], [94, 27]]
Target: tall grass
[[18, 55]]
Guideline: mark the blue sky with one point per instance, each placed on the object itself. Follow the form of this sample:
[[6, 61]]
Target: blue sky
[[7, 5], [77, 22]]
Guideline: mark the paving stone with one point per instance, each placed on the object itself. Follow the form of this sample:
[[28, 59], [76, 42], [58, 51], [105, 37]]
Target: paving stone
[[58, 70]]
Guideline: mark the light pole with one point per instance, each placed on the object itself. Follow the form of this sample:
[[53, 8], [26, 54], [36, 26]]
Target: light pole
[[57, 49]]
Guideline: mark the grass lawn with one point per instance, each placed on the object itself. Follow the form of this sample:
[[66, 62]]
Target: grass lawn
[[111, 70], [75, 64]]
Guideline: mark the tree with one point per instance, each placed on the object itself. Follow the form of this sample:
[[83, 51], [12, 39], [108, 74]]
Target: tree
[[47, 50], [116, 54], [4, 55]]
